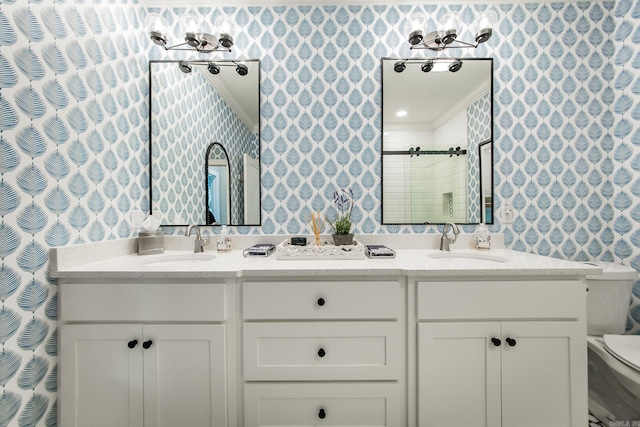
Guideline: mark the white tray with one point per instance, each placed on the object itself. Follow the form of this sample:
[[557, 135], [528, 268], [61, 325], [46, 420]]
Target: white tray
[[327, 251]]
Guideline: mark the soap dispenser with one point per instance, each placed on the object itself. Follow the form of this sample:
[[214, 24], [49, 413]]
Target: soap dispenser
[[483, 238], [224, 241]]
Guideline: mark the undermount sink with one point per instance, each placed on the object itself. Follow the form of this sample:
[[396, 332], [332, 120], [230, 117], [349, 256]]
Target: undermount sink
[[182, 259], [466, 256]]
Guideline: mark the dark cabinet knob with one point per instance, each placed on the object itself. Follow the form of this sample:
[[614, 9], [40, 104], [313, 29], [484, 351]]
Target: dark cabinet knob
[[511, 342], [322, 414], [321, 352], [147, 344], [496, 342], [132, 343], [320, 301]]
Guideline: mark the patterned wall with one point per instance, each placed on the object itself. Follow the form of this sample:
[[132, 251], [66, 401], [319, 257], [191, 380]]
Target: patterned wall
[[73, 163], [479, 130], [73, 156], [625, 152], [179, 144]]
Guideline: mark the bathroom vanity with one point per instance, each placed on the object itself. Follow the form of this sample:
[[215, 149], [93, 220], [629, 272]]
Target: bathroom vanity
[[419, 340]]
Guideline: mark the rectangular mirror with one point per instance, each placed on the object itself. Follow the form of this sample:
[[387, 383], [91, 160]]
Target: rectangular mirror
[[204, 123], [436, 114]]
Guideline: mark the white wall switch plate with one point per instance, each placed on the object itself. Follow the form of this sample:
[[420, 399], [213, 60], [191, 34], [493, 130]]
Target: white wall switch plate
[[136, 218], [507, 213]]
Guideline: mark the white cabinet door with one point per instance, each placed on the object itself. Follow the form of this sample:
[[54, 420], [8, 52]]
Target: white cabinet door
[[101, 376], [134, 376], [458, 375], [544, 374], [509, 374], [185, 380]]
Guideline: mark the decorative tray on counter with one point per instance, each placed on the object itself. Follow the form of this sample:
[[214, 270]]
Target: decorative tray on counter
[[328, 250]]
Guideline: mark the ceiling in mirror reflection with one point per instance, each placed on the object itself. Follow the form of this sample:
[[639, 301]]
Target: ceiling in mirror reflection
[[430, 98], [191, 108], [238, 90]]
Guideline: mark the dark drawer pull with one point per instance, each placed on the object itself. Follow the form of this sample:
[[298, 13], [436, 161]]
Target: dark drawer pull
[[321, 352], [132, 343], [496, 342], [511, 342], [147, 344], [322, 414], [320, 302]]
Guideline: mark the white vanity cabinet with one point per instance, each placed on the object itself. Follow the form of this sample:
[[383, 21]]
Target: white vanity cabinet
[[142, 355], [323, 352], [501, 353]]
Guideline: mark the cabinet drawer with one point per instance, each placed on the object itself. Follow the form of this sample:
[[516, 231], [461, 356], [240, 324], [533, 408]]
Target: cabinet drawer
[[322, 351], [322, 300], [554, 299], [308, 404], [138, 302]]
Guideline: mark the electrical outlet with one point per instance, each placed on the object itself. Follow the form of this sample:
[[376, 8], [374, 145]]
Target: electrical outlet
[[507, 213], [136, 219]]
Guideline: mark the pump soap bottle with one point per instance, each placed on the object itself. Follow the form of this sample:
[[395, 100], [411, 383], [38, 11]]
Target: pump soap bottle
[[224, 241], [483, 238]]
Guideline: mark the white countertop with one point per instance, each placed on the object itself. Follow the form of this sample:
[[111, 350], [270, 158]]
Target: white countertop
[[119, 260]]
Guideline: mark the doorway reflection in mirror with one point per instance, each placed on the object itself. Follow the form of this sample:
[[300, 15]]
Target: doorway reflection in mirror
[[218, 201]]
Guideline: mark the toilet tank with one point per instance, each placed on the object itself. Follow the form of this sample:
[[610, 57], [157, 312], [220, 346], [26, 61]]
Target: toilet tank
[[608, 299]]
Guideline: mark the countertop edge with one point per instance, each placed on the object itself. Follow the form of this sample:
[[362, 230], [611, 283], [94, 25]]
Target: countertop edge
[[121, 262]]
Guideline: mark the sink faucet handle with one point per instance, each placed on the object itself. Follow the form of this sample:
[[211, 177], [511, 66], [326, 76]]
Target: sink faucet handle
[[200, 243], [455, 230], [445, 240], [191, 228]]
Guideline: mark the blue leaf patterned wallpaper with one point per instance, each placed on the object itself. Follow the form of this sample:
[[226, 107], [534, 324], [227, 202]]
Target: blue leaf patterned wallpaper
[[74, 158], [478, 131], [625, 151], [73, 163]]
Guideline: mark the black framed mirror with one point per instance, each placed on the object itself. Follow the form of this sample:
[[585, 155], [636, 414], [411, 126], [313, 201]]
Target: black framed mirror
[[194, 104], [436, 113]]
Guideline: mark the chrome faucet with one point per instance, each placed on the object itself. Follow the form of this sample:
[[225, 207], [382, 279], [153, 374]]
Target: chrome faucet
[[445, 240], [200, 242]]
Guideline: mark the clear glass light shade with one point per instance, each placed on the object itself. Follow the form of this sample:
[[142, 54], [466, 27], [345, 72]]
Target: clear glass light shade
[[155, 22], [225, 30], [223, 25], [483, 24], [416, 27], [157, 28], [189, 23], [450, 21], [448, 27], [487, 19]]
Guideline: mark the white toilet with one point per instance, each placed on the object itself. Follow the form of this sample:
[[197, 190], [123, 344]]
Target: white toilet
[[614, 358]]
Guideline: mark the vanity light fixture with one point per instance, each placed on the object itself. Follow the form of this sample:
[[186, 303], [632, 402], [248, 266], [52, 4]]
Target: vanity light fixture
[[446, 36], [430, 65], [455, 66], [213, 67], [195, 36]]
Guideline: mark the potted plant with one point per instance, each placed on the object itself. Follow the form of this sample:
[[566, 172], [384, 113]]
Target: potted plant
[[343, 205]]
